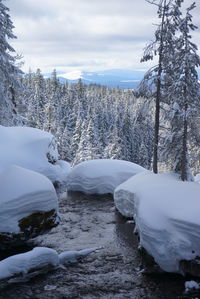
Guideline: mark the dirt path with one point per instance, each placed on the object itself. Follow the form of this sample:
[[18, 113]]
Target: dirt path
[[111, 272]]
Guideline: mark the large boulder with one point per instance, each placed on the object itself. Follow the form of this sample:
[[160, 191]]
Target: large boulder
[[101, 176], [166, 212], [28, 206], [33, 149]]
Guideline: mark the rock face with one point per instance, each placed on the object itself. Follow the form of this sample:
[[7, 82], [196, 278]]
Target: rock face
[[191, 267], [30, 227], [28, 206]]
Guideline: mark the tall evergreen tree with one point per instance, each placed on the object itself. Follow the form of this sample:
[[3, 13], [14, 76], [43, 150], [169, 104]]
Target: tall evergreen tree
[[161, 45], [8, 70], [183, 95]]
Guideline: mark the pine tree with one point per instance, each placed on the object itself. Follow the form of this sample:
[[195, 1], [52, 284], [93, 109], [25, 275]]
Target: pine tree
[[183, 95], [9, 72], [162, 44]]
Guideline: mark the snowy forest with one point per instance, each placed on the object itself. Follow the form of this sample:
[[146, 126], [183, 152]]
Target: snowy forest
[[94, 121], [89, 122]]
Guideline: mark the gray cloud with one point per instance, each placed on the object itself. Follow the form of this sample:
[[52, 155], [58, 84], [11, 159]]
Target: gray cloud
[[85, 34]]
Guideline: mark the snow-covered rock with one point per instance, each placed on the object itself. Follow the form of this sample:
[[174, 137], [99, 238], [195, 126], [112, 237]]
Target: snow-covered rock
[[101, 176], [166, 211], [191, 285], [22, 267], [28, 204], [33, 149]]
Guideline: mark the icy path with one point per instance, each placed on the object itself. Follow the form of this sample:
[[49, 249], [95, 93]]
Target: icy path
[[112, 272]]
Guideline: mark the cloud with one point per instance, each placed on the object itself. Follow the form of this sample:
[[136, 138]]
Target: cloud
[[89, 34]]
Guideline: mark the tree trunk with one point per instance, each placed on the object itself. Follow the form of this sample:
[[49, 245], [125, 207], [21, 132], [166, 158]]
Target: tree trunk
[[158, 96], [156, 126], [184, 166]]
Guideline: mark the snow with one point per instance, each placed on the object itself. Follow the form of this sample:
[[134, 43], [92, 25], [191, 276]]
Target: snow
[[23, 192], [101, 176], [22, 267], [32, 149], [197, 178], [23, 263], [166, 211], [69, 257], [191, 285]]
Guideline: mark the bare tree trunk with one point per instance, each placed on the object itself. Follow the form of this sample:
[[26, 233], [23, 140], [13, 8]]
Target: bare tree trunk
[[158, 96], [157, 124], [184, 166]]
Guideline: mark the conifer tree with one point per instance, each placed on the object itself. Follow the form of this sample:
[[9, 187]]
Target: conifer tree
[[161, 45], [9, 72], [183, 95]]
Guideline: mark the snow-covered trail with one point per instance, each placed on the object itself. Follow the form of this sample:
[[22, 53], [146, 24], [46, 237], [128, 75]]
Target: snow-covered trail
[[111, 272]]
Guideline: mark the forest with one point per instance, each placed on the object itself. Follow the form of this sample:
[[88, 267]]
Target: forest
[[94, 121]]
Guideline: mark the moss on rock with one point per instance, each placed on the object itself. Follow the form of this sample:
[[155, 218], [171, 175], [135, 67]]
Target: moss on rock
[[37, 223], [30, 226]]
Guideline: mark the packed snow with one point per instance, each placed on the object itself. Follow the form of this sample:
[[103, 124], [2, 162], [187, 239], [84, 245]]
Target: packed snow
[[33, 149], [166, 211], [23, 192], [101, 176]]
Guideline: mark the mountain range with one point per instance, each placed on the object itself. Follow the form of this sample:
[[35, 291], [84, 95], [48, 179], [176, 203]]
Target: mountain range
[[125, 79], [112, 78]]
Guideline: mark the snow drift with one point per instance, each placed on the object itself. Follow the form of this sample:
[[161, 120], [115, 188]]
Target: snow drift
[[166, 212], [101, 176], [32, 149]]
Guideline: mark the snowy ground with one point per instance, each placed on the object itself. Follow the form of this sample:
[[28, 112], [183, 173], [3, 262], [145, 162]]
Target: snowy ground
[[112, 272]]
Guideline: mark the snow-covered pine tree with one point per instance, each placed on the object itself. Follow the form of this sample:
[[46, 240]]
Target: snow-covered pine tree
[[52, 107], [9, 72], [37, 100], [183, 95], [161, 45]]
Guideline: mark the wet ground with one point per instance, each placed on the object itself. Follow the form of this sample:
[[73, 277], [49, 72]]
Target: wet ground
[[113, 271]]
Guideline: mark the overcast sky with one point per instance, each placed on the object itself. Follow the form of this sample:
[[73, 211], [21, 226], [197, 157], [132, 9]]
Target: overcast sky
[[84, 34]]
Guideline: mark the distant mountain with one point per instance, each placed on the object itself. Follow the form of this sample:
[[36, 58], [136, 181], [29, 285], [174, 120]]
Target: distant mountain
[[125, 79], [112, 78]]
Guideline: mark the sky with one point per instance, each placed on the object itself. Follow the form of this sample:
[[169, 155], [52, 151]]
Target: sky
[[89, 35]]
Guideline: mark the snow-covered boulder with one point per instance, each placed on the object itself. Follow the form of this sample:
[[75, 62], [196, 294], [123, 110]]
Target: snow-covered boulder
[[101, 176], [33, 149], [22, 267], [28, 205], [167, 215]]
